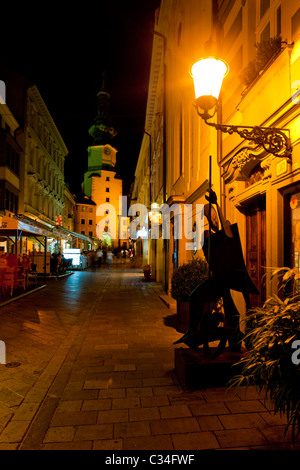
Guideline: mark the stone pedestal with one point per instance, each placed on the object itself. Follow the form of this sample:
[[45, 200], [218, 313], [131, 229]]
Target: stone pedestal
[[195, 370]]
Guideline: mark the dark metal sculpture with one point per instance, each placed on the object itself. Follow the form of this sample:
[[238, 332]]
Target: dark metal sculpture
[[228, 271]]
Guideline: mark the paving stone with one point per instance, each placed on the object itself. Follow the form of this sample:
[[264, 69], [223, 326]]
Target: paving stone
[[72, 405], [139, 392], [93, 432], [108, 444], [245, 406], [14, 431], [26, 412], [175, 411], [85, 445], [60, 434], [239, 421], [9, 398], [112, 416], [119, 403], [132, 429], [74, 418], [240, 437], [161, 400], [205, 409], [148, 443], [209, 423], [94, 405], [195, 441], [175, 425], [141, 414]]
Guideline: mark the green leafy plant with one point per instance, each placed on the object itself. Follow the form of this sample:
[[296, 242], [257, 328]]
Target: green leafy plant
[[187, 277], [268, 363], [265, 50]]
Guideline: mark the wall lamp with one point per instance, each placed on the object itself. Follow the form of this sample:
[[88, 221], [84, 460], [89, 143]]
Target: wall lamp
[[208, 74]]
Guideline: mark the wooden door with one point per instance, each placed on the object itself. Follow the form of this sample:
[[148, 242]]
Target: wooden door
[[256, 249]]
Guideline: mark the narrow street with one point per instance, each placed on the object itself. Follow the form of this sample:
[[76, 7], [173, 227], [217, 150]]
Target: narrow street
[[90, 366]]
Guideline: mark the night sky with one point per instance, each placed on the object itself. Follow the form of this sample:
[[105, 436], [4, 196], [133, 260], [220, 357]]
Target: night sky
[[64, 47]]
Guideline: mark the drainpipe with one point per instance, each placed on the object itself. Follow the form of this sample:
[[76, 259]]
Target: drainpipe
[[165, 249], [150, 153]]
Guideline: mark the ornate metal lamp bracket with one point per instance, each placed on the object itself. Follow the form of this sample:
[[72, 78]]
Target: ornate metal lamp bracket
[[274, 140]]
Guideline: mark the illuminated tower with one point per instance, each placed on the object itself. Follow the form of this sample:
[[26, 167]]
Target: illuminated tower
[[101, 183]]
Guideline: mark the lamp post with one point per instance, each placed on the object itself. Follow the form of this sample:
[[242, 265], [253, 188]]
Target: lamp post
[[208, 74]]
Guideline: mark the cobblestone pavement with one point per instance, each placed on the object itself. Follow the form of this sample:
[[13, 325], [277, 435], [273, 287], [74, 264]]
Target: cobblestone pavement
[[90, 365]]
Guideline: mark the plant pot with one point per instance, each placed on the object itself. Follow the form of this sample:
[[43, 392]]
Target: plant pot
[[147, 274], [183, 316]]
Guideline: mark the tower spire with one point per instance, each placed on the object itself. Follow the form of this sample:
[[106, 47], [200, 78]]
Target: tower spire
[[102, 131]]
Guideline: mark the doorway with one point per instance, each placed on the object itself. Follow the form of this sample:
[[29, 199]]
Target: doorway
[[256, 249]]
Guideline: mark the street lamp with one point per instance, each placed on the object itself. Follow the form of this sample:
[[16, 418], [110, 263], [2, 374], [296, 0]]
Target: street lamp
[[208, 74]]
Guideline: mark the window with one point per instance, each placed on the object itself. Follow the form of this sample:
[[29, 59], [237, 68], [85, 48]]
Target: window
[[82, 221], [278, 21], [107, 199], [90, 234], [107, 190], [235, 29], [82, 232], [107, 178], [264, 6], [12, 159], [265, 35], [83, 209], [11, 201], [296, 24], [90, 222], [293, 234], [269, 20]]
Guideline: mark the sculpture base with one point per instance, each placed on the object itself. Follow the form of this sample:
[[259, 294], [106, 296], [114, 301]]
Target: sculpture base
[[195, 370]]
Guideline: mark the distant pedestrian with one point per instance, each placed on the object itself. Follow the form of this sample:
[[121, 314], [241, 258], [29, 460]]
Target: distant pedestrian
[[99, 257], [109, 259]]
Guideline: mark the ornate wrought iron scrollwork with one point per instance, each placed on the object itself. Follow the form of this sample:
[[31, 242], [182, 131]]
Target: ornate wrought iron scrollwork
[[274, 140]]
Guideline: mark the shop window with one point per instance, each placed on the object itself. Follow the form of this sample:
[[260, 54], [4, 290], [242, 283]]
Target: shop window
[[293, 232]]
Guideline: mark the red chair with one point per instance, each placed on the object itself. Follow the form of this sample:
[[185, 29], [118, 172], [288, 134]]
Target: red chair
[[8, 280]]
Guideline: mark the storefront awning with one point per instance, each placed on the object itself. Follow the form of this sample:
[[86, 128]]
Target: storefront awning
[[10, 226], [69, 233], [25, 226]]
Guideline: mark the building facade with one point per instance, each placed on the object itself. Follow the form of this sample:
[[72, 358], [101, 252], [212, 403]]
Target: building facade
[[11, 164], [45, 152], [32, 153], [85, 219], [260, 41]]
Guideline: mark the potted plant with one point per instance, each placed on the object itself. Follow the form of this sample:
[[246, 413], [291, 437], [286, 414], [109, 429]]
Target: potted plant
[[184, 280], [271, 362], [147, 272]]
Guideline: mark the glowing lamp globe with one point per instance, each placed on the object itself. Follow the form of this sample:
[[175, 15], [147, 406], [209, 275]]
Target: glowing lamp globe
[[208, 74]]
